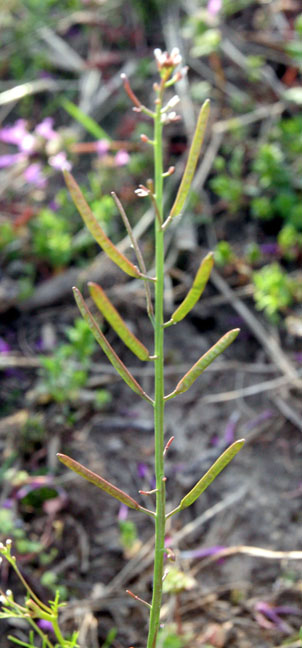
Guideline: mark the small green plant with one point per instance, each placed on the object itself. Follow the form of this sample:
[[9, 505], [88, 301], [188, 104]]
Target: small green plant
[[223, 254], [66, 371], [163, 113], [37, 614], [274, 290], [228, 183]]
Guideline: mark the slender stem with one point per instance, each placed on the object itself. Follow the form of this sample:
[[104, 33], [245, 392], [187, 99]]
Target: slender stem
[[159, 386], [13, 563], [40, 632], [139, 256]]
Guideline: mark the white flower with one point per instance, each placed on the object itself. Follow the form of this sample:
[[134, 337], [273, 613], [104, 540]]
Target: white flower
[[160, 56], [173, 102], [164, 59], [176, 56], [142, 191]]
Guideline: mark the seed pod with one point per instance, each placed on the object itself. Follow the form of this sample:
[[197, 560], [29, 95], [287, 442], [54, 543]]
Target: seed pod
[[197, 289], [96, 230], [98, 481], [195, 149], [107, 348], [116, 321], [203, 363], [211, 474]]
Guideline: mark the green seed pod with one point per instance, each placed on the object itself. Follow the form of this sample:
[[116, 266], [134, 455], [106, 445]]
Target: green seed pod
[[107, 348], [189, 171], [96, 230], [203, 363], [115, 320], [197, 289], [211, 474], [98, 481]]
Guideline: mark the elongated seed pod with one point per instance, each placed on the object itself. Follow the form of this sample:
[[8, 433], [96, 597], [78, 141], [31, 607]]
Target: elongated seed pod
[[98, 481], [116, 321], [107, 348], [211, 474], [195, 149], [96, 230], [203, 363], [196, 290]]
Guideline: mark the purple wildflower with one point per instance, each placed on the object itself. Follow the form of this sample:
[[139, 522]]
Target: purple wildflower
[[8, 503], [14, 134], [27, 144], [53, 205], [142, 470], [33, 175], [60, 162], [102, 147], [214, 7], [123, 513], [45, 129], [4, 346], [10, 159], [269, 248], [45, 625], [121, 158]]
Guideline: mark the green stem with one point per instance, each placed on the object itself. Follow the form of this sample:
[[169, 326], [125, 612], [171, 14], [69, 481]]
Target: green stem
[[58, 632], [159, 386]]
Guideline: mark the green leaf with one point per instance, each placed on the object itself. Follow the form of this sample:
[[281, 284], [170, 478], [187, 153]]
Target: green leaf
[[115, 320], [195, 149], [203, 363], [197, 289], [96, 230], [98, 481], [211, 474], [107, 348], [90, 125]]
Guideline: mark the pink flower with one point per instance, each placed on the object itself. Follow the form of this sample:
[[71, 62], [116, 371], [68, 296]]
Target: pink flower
[[33, 175], [10, 159], [14, 134], [4, 346], [123, 513], [102, 147], [18, 135], [214, 7], [59, 161], [27, 144], [121, 158], [45, 129]]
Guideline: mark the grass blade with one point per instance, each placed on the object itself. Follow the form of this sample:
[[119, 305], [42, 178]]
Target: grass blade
[[90, 125], [98, 481], [211, 474], [197, 289], [189, 171], [203, 363], [116, 321], [96, 230], [107, 348]]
